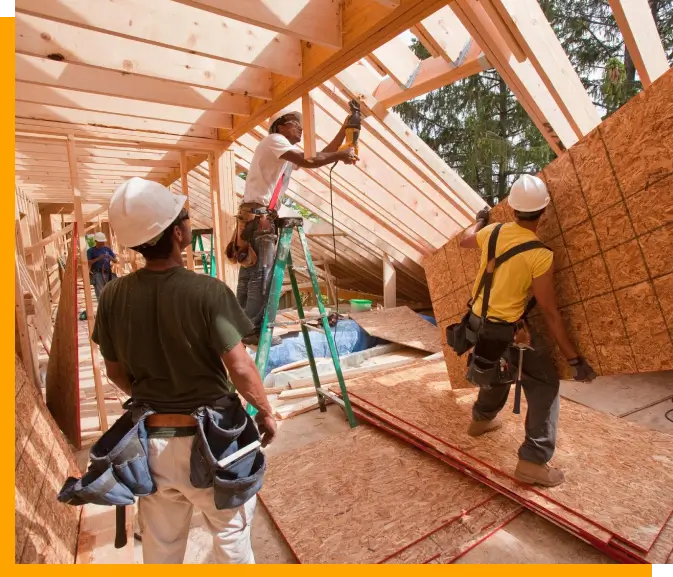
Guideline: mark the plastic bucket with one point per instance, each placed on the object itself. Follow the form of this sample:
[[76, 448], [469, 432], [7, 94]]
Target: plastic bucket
[[359, 305]]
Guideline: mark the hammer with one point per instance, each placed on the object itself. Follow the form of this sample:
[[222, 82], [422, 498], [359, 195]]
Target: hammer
[[522, 341]]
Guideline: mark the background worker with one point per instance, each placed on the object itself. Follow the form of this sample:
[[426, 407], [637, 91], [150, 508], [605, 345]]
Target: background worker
[[100, 257], [171, 339], [276, 156], [512, 282]]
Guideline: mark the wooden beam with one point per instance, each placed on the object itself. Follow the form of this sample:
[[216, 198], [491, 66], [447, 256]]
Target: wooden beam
[[634, 18], [540, 44], [366, 26], [444, 36], [51, 238], [398, 62], [215, 183], [46, 72], [41, 37], [173, 25], [90, 216], [80, 230], [111, 104], [433, 73], [26, 351], [389, 283], [308, 121], [316, 21], [228, 208], [185, 190]]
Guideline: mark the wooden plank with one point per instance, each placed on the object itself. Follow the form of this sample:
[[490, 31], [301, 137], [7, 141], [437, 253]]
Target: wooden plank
[[70, 75], [62, 382], [111, 104], [185, 191], [84, 263], [23, 345], [41, 37], [314, 21], [433, 73], [634, 18], [639, 459], [51, 238], [179, 26], [228, 209], [398, 61], [48, 112], [215, 184], [374, 470], [443, 33], [308, 122], [389, 283], [289, 410]]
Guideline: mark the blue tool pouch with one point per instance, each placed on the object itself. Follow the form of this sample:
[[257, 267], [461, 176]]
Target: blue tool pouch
[[222, 430], [118, 469]]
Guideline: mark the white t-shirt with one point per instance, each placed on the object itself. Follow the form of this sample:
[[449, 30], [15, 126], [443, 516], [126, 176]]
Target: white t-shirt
[[266, 168]]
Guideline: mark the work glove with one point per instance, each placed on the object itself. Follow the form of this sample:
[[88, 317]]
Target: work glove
[[582, 370], [483, 215]]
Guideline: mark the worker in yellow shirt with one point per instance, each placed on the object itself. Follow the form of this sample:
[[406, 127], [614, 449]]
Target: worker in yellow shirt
[[519, 263]]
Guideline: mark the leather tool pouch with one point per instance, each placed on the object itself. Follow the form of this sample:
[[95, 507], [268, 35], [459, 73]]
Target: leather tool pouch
[[460, 337], [119, 468], [222, 430]]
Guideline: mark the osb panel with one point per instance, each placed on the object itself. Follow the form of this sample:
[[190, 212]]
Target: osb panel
[[639, 137], [455, 263], [62, 381], [350, 486], [445, 307], [592, 277], [648, 334], [561, 258], [657, 247], [564, 189], [640, 460], [595, 173], [548, 227], [436, 269], [566, 288], [581, 242], [576, 321], [471, 258], [613, 227], [400, 325], [609, 335], [663, 286], [625, 265], [652, 207]]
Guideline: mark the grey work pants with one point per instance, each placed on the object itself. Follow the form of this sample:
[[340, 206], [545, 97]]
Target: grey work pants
[[540, 384]]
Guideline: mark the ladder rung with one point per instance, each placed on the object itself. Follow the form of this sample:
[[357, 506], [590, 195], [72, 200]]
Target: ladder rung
[[331, 396], [299, 267]]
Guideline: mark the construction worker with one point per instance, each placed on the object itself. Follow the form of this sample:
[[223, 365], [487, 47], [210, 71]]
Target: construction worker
[[275, 158], [495, 336], [100, 256], [171, 339]]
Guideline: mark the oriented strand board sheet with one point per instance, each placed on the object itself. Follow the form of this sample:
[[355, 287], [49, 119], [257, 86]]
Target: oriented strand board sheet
[[63, 367], [628, 502], [400, 325], [338, 500]]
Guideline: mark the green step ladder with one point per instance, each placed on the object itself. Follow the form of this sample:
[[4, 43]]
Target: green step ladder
[[197, 237], [283, 262]]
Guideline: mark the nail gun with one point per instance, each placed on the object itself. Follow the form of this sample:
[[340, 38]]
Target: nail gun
[[353, 125]]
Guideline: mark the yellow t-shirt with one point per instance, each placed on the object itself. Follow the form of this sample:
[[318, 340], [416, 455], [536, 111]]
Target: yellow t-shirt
[[513, 278]]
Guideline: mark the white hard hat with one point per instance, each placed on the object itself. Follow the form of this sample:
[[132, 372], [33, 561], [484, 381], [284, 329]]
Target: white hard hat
[[142, 209], [99, 237], [528, 194], [285, 112]]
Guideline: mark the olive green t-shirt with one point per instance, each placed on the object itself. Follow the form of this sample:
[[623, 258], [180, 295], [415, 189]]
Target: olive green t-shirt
[[168, 329]]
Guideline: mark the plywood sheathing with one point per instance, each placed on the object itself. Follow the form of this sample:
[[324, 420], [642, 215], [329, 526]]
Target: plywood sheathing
[[400, 325], [350, 486], [62, 383], [640, 460], [610, 225], [45, 530]]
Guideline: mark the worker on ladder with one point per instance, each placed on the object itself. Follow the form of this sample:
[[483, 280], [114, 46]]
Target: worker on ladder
[[513, 260], [254, 240], [171, 339]]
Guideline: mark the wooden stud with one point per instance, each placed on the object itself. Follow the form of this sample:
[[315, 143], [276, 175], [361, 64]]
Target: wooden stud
[[215, 183], [24, 344], [185, 191], [398, 62], [634, 18], [88, 299], [389, 283], [308, 121], [228, 208], [444, 36]]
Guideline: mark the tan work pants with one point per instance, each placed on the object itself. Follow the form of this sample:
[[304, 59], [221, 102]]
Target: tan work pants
[[166, 515]]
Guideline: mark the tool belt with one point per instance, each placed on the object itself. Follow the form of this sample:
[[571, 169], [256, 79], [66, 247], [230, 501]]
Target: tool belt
[[119, 469], [253, 220], [490, 337]]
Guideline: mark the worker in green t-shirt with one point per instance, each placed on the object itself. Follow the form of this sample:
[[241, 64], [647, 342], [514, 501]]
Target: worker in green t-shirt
[[171, 338]]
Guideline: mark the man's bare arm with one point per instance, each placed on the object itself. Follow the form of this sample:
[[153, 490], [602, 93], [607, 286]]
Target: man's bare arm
[[115, 372], [469, 238], [545, 293]]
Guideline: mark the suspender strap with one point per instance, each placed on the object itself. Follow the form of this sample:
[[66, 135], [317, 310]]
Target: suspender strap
[[492, 263], [276, 191]]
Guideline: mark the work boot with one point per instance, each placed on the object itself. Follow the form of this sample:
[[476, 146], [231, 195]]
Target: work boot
[[535, 474], [478, 428]]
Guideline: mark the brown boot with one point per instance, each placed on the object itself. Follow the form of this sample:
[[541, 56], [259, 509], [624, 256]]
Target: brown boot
[[478, 428], [535, 474]]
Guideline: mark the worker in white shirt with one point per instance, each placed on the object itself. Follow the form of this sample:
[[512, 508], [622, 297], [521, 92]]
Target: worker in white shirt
[[253, 244]]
